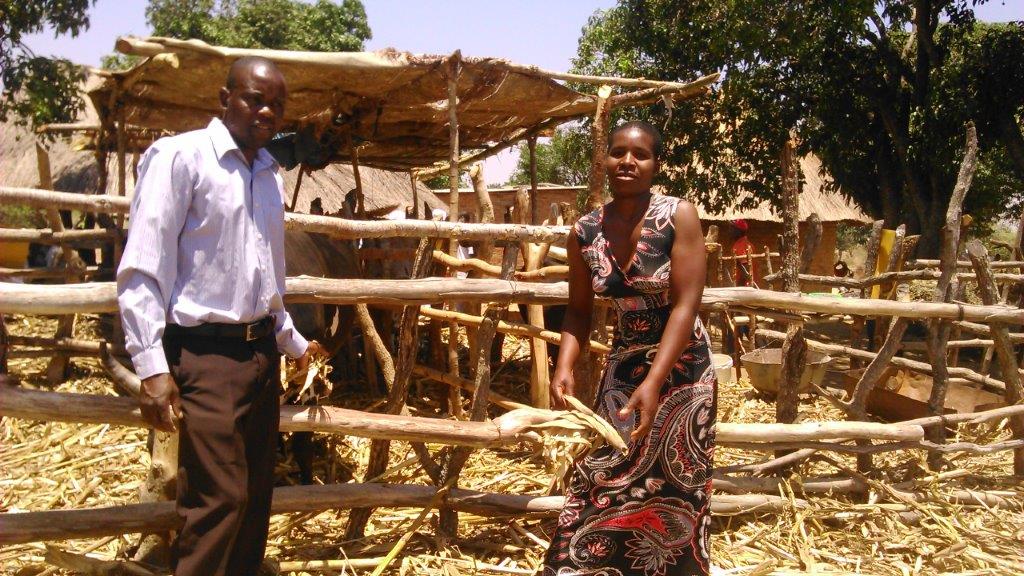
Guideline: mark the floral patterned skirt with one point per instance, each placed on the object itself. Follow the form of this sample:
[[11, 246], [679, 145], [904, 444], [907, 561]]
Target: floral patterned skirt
[[646, 512]]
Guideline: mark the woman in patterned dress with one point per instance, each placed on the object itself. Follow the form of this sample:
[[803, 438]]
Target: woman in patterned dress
[[646, 512]]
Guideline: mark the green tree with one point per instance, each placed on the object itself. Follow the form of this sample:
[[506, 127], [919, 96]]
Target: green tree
[[563, 159], [39, 90], [884, 108], [324, 26]]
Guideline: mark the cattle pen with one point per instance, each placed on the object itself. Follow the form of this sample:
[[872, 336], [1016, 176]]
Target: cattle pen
[[815, 483]]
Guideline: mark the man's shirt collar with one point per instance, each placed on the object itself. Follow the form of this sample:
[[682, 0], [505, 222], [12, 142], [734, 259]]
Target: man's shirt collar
[[224, 143]]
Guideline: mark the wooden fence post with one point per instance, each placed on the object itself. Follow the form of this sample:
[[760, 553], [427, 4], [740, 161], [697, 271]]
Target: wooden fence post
[[794, 349], [1005, 354], [938, 334], [449, 518]]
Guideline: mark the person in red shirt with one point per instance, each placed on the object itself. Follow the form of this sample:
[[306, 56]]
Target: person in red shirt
[[744, 274]]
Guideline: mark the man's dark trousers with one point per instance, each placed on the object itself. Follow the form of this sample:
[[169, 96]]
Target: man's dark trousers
[[228, 436]]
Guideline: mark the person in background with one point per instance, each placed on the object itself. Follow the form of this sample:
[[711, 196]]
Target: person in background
[[744, 275], [201, 290]]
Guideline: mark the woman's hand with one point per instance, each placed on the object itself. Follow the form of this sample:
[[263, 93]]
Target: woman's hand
[[562, 384], [646, 399]]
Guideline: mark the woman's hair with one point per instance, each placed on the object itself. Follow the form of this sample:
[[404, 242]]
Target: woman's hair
[[643, 127]]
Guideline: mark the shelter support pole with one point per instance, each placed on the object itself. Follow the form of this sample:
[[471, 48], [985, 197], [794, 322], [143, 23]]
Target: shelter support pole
[[586, 369], [57, 368], [360, 198], [449, 518], [531, 143], [938, 334], [794, 349], [1005, 354], [415, 215], [454, 68]]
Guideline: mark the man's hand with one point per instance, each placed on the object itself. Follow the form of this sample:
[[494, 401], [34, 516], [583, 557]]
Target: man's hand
[[314, 349], [160, 403], [645, 399], [562, 384]]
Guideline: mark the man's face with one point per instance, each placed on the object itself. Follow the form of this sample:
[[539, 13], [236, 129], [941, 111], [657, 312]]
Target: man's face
[[254, 106]]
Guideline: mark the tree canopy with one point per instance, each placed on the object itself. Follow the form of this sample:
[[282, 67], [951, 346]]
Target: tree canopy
[[884, 108], [563, 159], [323, 26], [38, 90]]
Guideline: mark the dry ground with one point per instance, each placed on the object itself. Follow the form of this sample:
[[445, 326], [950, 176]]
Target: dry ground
[[51, 466]]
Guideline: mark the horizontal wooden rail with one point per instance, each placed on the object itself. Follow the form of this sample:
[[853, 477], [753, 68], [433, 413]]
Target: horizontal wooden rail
[[26, 527], [97, 297], [514, 426], [50, 273], [328, 225], [912, 365], [903, 275], [93, 237], [505, 327]]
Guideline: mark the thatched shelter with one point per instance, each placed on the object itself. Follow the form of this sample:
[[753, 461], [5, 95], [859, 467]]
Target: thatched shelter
[[75, 170], [765, 225]]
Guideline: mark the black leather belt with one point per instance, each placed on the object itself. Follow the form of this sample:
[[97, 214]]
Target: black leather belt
[[247, 332]]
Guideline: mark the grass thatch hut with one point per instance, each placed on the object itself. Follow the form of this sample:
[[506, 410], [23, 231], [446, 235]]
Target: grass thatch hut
[[765, 225]]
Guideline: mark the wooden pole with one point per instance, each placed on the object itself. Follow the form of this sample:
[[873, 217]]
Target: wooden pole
[[5, 378], [939, 331], [515, 328], [151, 517], [870, 265], [794, 349], [454, 66], [100, 297], [599, 141], [341, 228], [57, 368], [1006, 356], [811, 242], [416, 214], [398, 390], [298, 186], [360, 197], [448, 524], [531, 143]]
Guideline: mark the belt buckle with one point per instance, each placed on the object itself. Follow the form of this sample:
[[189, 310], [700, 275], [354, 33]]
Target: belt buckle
[[250, 332]]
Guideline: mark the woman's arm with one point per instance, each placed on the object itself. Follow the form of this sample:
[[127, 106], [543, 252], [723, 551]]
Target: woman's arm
[[686, 286], [575, 327]]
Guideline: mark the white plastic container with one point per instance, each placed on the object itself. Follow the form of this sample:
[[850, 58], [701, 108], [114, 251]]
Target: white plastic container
[[723, 367]]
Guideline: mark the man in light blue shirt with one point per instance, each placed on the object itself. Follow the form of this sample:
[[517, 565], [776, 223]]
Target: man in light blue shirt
[[201, 290]]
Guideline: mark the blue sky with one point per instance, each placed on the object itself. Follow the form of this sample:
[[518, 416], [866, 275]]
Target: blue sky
[[538, 32]]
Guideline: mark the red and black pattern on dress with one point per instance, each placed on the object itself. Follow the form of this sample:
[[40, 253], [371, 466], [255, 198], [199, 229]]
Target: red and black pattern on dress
[[646, 512]]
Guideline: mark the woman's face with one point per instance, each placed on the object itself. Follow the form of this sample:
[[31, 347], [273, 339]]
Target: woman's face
[[631, 164]]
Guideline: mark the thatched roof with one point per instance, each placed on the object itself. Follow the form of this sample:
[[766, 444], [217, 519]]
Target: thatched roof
[[393, 105], [383, 190], [815, 197], [76, 171], [72, 170]]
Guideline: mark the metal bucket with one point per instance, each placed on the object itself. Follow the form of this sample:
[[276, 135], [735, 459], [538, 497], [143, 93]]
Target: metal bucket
[[764, 368]]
